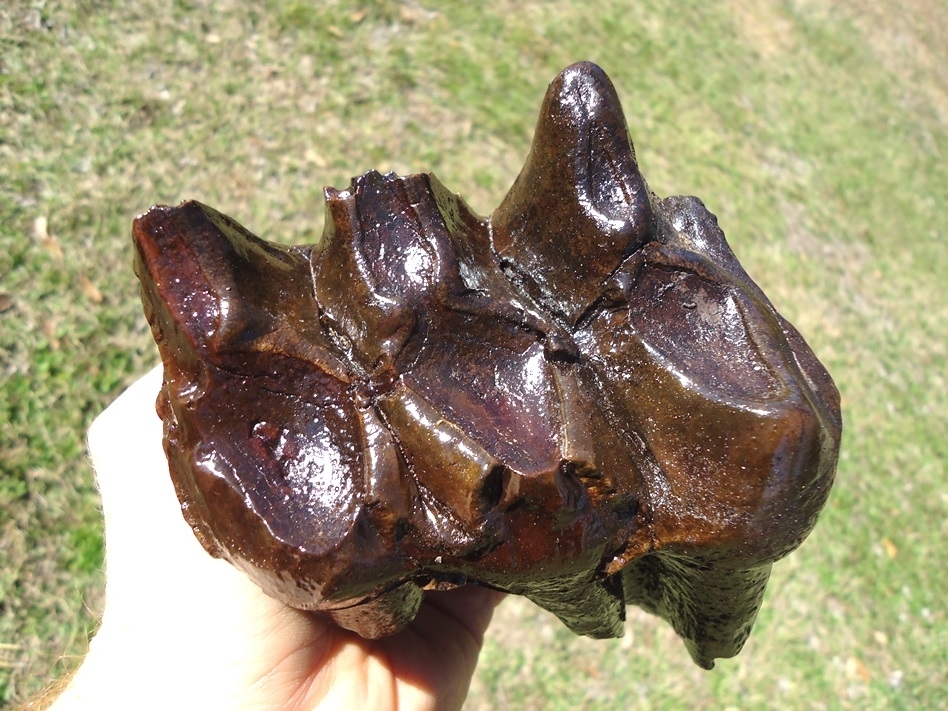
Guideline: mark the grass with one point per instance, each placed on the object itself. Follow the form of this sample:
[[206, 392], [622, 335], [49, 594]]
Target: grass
[[817, 133]]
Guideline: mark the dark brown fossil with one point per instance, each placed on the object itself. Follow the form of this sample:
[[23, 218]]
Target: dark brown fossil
[[582, 399]]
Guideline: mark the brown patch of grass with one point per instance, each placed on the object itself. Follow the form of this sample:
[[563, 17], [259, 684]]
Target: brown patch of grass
[[910, 40]]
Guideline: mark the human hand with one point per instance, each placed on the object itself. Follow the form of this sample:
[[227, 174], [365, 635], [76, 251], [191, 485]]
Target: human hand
[[182, 630]]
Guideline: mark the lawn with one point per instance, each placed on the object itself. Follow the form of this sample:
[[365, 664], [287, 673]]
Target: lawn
[[817, 132]]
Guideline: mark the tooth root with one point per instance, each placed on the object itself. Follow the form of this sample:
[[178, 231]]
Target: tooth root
[[588, 607], [384, 615], [711, 606]]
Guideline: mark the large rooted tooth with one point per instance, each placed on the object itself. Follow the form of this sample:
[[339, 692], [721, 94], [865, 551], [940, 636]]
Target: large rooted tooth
[[583, 399]]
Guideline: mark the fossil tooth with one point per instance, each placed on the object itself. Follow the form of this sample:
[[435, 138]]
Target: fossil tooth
[[583, 399]]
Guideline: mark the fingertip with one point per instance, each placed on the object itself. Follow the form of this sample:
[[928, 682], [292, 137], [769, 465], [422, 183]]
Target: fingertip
[[471, 606]]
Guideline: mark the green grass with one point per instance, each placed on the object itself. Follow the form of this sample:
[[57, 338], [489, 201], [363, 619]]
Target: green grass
[[817, 134]]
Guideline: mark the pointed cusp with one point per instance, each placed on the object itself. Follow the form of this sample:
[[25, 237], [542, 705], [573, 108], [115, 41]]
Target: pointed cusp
[[580, 204]]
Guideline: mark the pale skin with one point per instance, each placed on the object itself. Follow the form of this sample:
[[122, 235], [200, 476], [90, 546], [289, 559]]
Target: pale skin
[[182, 630]]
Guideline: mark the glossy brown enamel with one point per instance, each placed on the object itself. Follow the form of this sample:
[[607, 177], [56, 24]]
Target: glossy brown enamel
[[583, 399]]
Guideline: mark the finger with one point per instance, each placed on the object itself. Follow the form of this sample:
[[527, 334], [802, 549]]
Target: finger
[[170, 607], [145, 532], [434, 658], [470, 605]]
